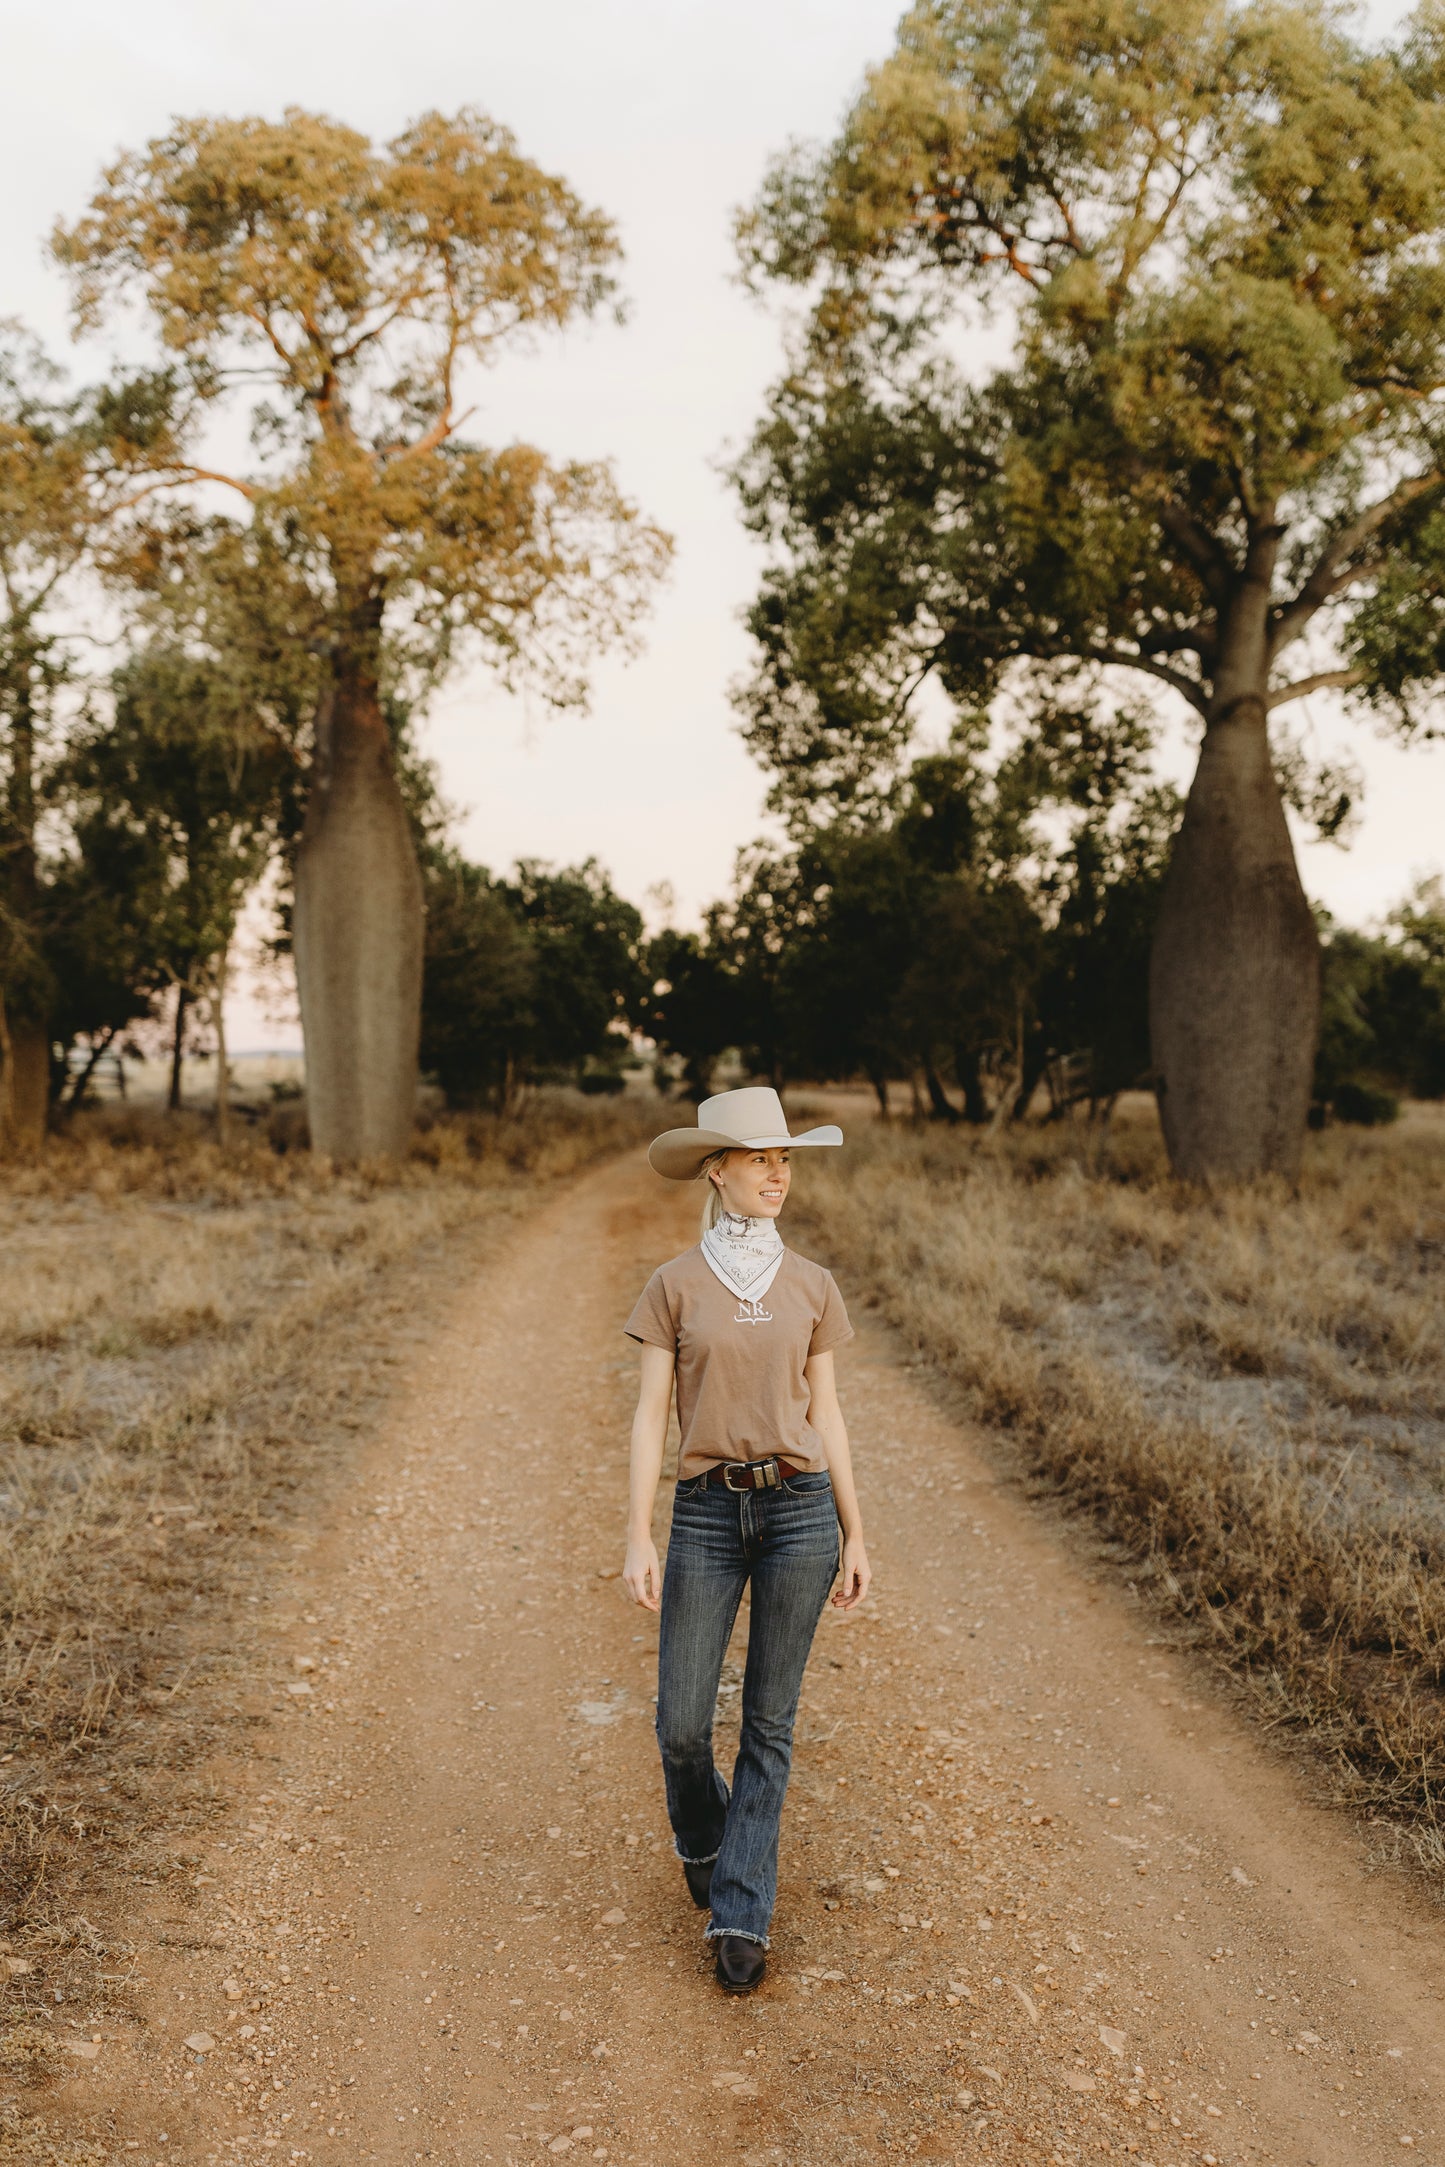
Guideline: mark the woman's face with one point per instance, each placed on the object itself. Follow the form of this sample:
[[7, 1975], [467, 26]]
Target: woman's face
[[753, 1183]]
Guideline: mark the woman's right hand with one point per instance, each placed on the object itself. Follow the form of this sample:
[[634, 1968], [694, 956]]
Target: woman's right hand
[[641, 1573]]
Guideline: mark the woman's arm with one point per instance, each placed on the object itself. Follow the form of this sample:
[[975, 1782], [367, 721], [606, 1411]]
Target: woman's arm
[[641, 1572], [826, 1417]]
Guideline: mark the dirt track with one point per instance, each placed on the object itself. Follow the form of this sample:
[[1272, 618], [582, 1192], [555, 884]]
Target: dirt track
[[1043, 1898]]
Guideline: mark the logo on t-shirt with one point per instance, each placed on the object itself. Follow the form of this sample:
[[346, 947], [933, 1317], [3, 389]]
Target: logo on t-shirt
[[751, 1312]]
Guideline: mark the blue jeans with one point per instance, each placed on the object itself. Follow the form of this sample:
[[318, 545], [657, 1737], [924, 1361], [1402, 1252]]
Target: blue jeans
[[786, 1542]]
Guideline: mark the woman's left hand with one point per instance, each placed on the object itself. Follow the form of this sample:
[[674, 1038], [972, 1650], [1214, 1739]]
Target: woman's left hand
[[856, 1574]]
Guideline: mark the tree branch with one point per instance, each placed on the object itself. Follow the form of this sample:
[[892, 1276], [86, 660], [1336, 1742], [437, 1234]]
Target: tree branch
[[282, 352], [248, 490], [1322, 681], [1203, 550], [1009, 254], [394, 312], [1170, 640], [1190, 687], [1332, 573]]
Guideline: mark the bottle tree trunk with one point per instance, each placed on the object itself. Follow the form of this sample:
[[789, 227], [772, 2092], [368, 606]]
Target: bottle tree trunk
[[358, 933], [1235, 973]]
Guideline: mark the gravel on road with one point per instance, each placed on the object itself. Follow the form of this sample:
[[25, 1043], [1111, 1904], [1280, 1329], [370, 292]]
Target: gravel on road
[[1045, 1898]]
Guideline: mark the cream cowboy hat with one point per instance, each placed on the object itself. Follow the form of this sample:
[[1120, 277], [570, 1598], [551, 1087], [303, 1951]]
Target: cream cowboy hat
[[751, 1120]]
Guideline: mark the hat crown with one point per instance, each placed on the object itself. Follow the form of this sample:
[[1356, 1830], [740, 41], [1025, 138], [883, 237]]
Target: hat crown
[[754, 1112]]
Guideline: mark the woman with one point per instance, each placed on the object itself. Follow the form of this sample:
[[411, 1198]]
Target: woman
[[746, 1330]]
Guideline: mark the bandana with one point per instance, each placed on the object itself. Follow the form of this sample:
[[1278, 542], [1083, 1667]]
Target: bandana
[[745, 1254]]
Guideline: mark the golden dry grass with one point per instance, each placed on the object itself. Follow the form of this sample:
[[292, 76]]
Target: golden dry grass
[[188, 1341], [1247, 1390]]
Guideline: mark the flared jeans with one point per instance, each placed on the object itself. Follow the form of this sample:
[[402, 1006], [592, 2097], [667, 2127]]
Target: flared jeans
[[785, 1543]]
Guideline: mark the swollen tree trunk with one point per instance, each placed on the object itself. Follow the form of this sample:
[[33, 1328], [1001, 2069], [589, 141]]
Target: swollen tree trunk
[[358, 932], [1235, 974]]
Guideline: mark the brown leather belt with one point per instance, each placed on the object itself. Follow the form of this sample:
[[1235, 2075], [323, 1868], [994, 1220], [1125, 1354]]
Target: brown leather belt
[[751, 1474]]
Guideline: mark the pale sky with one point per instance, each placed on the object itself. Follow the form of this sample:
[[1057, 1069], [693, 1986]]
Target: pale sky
[[663, 112]]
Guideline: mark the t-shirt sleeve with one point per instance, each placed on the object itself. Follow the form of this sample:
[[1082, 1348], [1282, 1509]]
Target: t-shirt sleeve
[[652, 1320], [832, 1328]]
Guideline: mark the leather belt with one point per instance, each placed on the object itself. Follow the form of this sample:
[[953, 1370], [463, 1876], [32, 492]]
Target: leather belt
[[751, 1474]]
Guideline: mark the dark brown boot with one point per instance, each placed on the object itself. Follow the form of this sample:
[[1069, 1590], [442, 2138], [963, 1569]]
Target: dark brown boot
[[740, 1964], [698, 1875]]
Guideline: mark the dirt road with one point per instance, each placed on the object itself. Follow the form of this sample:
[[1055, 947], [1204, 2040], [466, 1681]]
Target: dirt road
[[1043, 1898]]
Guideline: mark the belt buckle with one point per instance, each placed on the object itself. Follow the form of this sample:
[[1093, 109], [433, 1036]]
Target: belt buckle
[[767, 1470]]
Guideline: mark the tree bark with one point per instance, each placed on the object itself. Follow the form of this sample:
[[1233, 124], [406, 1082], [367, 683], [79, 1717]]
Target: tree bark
[[968, 1068], [76, 1096], [24, 1020], [24, 1082], [940, 1105], [1036, 1061], [178, 1047], [358, 931], [1235, 972], [223, 1059]]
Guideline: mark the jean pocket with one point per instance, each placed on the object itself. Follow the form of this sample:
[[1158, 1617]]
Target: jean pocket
[[811, 1485]]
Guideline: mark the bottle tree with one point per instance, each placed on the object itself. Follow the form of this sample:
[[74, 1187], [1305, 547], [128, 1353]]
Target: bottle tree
[[356, 284], [1203, 254]]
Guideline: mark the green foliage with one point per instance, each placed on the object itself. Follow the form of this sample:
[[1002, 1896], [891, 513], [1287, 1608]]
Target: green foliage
[[176, 799], [984, 925], [1365, 1106], [587, 944], [75, 469], [477, 1021], [1383, 1029], [1213, 243], [528, 979], [356, 281], [695, 1005]]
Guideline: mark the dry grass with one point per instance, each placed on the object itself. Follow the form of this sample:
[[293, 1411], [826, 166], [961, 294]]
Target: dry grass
[[188, 1342], [1247, 1391]]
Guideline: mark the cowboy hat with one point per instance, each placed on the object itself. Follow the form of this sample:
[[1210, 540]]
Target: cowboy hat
[[750, 1120]]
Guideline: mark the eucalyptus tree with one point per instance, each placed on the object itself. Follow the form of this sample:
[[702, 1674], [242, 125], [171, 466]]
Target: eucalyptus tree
[[1209, 243], [177, 793], [75, 470], [356, 284]]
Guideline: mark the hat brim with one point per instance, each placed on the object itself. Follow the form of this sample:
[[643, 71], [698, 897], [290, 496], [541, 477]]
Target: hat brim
[[679, 1153]]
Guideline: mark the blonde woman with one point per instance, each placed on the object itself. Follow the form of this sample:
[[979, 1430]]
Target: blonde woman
[[744, 1330]]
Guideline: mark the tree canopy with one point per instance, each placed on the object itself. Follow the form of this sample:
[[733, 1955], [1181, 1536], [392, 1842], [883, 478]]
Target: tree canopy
[[76, 471], [352, 284], [343, 290], [1218, 245], [1212, 248]]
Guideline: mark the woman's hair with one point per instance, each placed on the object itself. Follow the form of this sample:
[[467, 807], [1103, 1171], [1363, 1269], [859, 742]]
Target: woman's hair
[[712, 1209]]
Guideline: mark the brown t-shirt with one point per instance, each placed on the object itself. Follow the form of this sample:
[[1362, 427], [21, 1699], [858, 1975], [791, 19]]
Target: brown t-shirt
[[741, 1392]]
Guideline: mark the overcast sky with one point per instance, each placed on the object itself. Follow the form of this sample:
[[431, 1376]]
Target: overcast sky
[[663, 112]]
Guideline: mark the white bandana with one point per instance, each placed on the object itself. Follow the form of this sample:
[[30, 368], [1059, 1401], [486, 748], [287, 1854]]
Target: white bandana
[[745, 1254]]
